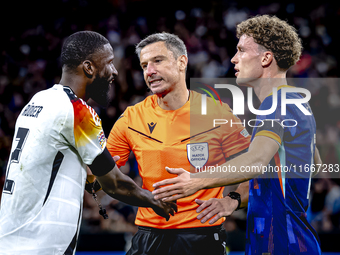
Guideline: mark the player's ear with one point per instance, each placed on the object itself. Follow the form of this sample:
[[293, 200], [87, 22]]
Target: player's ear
[[88, 68], [267, 58], [182, 62]]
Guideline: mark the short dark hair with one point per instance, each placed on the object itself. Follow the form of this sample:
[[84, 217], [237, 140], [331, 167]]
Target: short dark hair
[[81, 46], [172, 42]]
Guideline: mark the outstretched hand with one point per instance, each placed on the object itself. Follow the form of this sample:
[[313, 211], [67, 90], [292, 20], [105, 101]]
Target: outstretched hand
[[215, 208], [183, 186], [165, 209]]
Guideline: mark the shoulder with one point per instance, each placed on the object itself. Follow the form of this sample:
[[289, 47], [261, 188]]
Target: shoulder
[[141, 108], [213, 106]]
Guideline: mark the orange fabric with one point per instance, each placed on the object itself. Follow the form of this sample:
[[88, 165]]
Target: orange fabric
[[166, 145], [269, 134], [279, 173], [87, 124]]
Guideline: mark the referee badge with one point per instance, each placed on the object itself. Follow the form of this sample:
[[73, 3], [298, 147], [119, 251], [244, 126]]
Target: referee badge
[[198, 154]]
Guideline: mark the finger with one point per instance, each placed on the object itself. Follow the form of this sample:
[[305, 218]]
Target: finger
[[216, 218], [166, 189], [199, 201], [172, 198], [166, 194], [174, 170], [174, 206], [173, 211], [205, 212], [116, 158], [204, 205], [209, 215], [165, 182]]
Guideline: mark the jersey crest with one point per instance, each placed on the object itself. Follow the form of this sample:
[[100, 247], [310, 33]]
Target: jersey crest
[[198, 154]]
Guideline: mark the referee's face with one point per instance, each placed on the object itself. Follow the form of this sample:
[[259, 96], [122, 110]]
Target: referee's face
[[160, 68]]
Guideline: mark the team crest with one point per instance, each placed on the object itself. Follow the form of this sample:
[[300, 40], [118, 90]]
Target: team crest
[[198, 154]]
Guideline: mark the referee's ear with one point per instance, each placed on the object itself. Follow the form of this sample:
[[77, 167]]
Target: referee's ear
[[182, 62]]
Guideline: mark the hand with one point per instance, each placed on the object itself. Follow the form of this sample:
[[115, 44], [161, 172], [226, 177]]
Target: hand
[[219, 207], [163, 209], [183, 186]]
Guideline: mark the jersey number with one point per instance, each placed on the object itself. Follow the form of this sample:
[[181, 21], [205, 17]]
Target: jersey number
[[15, 157]]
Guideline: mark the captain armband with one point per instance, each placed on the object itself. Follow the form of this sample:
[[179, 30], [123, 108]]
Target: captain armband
[[102, 164]]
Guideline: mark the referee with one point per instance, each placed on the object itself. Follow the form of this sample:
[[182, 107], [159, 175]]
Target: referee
[[161, 131]]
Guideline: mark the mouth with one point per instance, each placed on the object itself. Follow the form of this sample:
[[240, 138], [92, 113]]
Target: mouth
[[111, 80], [237, 71], [155, 82]]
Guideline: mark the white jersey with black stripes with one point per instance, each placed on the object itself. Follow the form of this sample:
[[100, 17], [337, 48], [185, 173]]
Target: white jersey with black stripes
[[56, 136]]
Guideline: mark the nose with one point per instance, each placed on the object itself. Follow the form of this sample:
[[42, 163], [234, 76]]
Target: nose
[[150, 69], [234, 60], [114, 71]]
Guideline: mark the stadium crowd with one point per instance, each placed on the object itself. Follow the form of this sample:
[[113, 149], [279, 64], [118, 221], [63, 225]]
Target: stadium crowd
[[30, 62]]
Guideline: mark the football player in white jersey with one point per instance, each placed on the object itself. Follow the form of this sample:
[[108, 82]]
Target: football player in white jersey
[[57, 135]]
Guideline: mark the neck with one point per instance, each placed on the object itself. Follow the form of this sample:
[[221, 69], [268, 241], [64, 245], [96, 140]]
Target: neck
[[173, 100], [264, 86], [75, 82]]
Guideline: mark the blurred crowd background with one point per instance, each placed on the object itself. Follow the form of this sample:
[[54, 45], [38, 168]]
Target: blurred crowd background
[[31, 37]]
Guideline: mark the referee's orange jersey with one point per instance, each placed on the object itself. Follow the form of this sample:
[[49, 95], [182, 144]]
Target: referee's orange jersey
[[181, 138]]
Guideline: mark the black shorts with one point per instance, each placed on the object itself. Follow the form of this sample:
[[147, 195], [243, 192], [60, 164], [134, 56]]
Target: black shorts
[[189, 241]]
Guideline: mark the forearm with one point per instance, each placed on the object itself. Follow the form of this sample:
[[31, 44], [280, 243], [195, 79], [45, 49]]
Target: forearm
[[242, 168], [123, 188], [317, 160], [235, 172], [243, 190]]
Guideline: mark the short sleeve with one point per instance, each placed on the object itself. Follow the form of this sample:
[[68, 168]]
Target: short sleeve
[[117, 142], [272, 129], [270, 125], [235, 137], [83, 127]]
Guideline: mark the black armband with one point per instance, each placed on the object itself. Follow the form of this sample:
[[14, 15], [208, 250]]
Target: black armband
[[102, 164]]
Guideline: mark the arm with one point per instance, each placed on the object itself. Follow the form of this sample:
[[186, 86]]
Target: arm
[[91, 182], [261, 151], [218, 208], [119, 186], [317, 160]]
